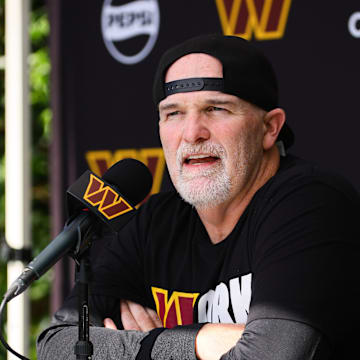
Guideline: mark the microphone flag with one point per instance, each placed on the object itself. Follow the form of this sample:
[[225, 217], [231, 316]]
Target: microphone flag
[[101, 198]]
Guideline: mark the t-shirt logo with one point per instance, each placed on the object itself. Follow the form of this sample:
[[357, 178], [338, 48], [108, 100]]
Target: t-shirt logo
[[226, 304], [178, 310], [217, 305]]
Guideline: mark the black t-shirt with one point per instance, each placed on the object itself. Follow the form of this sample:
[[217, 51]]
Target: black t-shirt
[[293, 254]]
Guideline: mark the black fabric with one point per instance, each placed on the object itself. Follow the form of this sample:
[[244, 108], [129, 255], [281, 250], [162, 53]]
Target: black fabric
[[297, 245], [157, 346], [247, 72], [291, 262], [100, 307], [177, 343], [147, 344], [193, 84]]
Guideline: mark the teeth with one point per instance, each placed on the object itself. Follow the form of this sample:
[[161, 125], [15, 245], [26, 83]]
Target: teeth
[[197, 157]]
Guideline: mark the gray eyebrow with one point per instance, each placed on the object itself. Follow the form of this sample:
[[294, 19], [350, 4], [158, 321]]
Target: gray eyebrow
[[168, 106], [219, 102], [210, 101]]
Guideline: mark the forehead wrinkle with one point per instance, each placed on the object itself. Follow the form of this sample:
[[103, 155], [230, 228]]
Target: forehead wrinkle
[[172, 105], [217, 99]]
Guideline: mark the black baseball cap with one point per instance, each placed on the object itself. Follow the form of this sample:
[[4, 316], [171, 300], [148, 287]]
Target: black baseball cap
[[247, 73]]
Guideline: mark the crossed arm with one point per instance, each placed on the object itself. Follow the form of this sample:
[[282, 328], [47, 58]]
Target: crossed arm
[[212, 341], [262, 339], [216, 340]]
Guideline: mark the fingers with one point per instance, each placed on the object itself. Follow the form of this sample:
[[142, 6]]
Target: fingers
[[154, 317], [137, 317], [127, 319], [109, 324], [140, 316]]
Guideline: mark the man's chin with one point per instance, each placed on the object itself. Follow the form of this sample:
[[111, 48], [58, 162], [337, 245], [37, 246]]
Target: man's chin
[[201, 201], [195, 184], [203, 192]]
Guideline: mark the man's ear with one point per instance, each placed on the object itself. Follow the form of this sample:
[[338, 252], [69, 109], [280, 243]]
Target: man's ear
[[273, 122]]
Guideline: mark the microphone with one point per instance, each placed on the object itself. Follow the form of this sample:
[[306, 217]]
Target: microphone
[[111, 198]]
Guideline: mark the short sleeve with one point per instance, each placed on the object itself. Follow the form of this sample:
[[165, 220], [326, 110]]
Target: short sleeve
[[305, 262]]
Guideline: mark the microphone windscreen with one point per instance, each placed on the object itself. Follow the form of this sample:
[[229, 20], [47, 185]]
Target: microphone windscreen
[[132, 178]]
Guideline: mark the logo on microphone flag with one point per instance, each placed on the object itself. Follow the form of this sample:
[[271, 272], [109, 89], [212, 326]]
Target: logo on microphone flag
[[109, 202]]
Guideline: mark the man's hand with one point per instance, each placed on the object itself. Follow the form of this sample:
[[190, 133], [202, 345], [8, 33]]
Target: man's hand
[[214, 340], [135, 317]]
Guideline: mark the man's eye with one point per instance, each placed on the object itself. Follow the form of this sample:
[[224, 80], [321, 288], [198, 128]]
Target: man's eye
[[169, 115], [215, 108], [173, 113]]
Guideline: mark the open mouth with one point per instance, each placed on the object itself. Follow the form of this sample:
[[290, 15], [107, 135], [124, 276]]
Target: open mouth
[[200, 159]]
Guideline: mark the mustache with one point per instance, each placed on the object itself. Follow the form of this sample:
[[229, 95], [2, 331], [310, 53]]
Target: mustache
[[211, 149]]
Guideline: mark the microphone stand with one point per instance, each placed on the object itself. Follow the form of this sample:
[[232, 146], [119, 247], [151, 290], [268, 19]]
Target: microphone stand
[[83, 347]]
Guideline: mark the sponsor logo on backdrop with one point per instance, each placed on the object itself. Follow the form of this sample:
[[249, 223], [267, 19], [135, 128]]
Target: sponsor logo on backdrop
[[123, 23], [109, 203], [354, 24], [263, 19], [100, 160]]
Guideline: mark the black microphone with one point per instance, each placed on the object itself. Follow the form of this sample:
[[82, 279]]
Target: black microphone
[[111, 198]]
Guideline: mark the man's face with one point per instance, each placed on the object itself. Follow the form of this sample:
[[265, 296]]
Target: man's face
[[212, 141]]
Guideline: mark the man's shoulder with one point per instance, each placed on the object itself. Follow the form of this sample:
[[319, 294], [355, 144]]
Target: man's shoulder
[[164, 197], [164, 201], [164, 211], [296, 173]]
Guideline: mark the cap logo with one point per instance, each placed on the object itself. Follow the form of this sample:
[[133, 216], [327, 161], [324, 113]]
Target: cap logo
[[123, 22], [266, 19], [193, 84]]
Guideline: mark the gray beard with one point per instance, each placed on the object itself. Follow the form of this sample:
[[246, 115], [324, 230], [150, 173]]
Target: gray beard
[[207, 188]]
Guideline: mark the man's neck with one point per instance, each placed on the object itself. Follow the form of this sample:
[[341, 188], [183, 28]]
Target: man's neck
[[219, 221]]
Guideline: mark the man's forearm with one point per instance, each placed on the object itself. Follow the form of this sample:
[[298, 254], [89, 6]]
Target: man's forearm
[[214, 340], [58, 343], [263, 339], [279, 339]]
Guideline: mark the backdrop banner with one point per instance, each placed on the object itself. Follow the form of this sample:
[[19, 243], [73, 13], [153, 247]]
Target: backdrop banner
[[104, 54]]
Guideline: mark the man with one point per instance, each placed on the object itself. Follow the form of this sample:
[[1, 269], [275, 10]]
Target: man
[[258, 252]]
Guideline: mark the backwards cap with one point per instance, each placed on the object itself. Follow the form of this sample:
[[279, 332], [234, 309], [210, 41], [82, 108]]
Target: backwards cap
[[247, 73]]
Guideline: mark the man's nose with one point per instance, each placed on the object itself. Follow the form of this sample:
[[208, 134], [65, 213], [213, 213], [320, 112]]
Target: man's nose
[[195, 128]]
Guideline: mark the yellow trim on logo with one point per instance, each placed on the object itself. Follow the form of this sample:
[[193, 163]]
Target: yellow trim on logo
[[256, 23], [175, 298], [106, 190], [93, 157], [144, 155]]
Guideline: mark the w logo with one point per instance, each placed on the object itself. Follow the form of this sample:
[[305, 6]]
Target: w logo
[[266, 19], [100, 160], [178, 310], [110, 203]]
